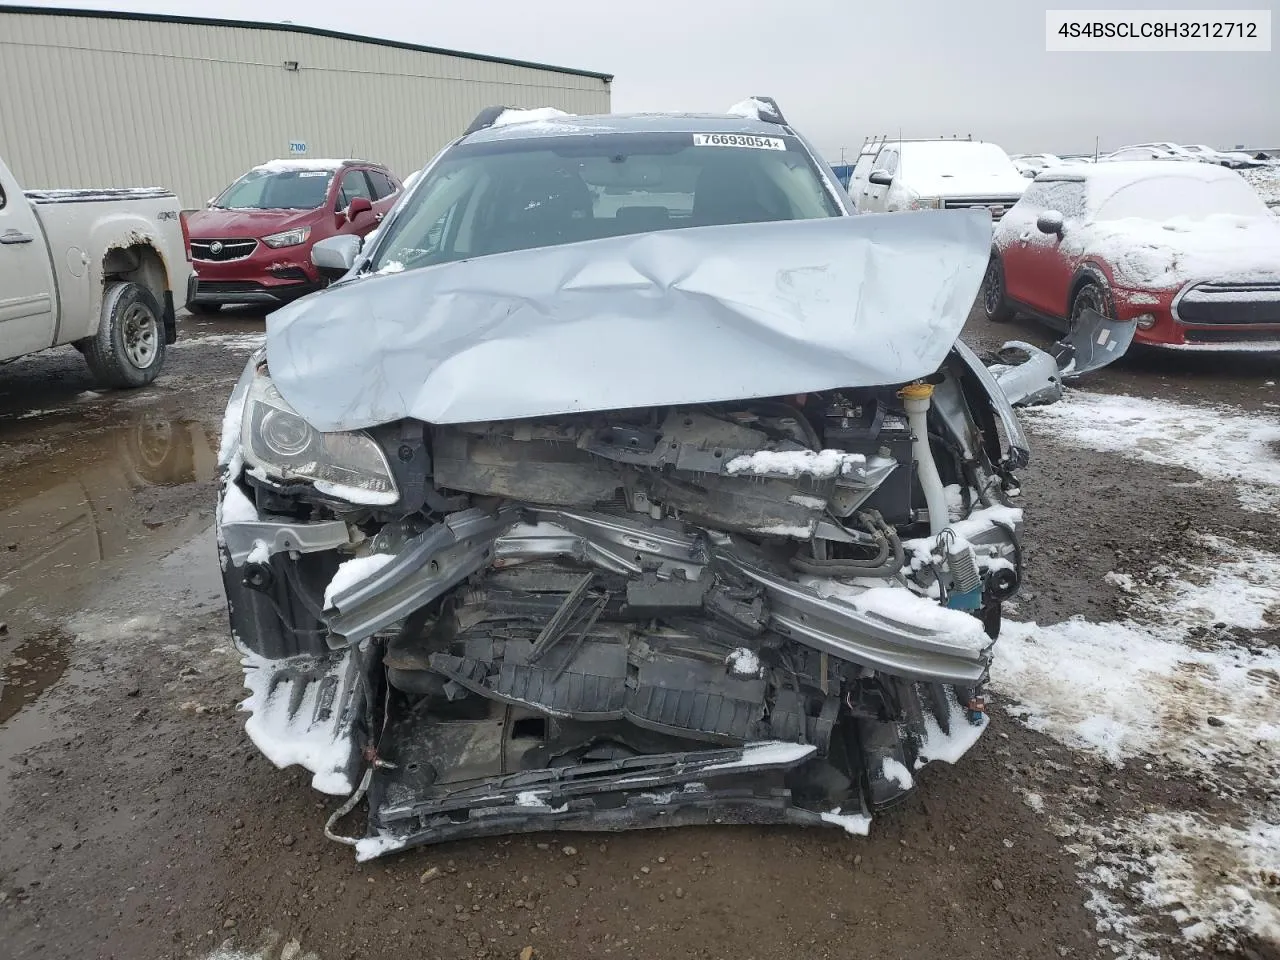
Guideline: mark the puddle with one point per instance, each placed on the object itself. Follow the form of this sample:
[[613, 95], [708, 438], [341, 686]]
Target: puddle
[[78, 516], [31, 670]]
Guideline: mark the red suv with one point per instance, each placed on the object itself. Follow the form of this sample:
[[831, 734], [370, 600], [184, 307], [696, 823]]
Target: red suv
[[252, 245]]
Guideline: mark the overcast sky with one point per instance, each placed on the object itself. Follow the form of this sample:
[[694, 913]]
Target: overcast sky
[[841, 70]]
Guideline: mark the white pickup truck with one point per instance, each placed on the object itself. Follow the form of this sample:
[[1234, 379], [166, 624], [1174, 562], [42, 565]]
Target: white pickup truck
[[94, 268]]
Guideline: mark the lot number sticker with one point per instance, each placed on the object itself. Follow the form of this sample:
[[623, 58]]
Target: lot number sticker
[[737, 140]]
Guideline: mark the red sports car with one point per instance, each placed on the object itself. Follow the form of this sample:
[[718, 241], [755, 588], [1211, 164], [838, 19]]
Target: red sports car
[[1187, 251]]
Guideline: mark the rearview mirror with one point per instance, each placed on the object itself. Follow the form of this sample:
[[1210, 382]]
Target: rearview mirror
[[1050, 221], [358, 206], [334, 256], [881, 178]]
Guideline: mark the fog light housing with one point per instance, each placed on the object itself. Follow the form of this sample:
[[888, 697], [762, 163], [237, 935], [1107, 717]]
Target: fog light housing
[[1145, 321]]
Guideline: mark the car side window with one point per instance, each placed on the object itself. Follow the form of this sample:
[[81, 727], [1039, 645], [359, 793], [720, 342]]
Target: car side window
[[353, 185], [863, 167], [382, 184], [3, 199], [888, 161]]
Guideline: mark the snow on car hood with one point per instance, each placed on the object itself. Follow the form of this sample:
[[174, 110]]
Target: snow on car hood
[[694, 315], [969, 184], [1168, 254]]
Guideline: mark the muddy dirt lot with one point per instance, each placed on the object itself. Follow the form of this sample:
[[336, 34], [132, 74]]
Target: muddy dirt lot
[[1123, 802]]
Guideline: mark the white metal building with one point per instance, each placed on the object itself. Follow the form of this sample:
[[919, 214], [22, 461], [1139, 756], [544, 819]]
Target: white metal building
[[94, 99]]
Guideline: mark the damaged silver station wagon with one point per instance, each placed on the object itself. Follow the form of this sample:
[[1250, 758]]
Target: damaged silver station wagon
[[625, 479]]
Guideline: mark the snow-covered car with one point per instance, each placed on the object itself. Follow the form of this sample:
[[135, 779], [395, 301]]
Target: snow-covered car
[[1146, 152], [1226, 158], [104, 270], [1030, 164], [1186, 252], [628, 480], [938, 174]]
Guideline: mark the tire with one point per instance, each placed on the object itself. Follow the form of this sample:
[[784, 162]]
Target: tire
[[128, 349], [995, 304], [1092, 295], [203, 308]]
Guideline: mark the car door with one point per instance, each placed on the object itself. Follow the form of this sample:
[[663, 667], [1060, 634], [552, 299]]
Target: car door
[[354, 184], [877, 194], [858, 185], [386, 191], [27, 296], [1044, 262]]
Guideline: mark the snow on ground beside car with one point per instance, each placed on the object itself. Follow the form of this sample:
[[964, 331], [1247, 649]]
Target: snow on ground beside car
[[1169, 686], [270, 946], [1124, 690], [1218, 443], [246, 342]]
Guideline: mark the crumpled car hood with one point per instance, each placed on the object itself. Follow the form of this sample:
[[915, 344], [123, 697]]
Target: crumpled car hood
[[694, 315]]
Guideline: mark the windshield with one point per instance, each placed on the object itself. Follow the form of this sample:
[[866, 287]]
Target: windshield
[[1163, 198], [517, 194], [281, 190], [954, 158]]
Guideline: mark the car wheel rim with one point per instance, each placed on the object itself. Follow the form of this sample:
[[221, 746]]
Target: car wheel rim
[[991, 289], [141, 336]]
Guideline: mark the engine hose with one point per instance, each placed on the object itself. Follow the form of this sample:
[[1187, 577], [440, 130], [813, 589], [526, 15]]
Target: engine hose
[[887, 563]]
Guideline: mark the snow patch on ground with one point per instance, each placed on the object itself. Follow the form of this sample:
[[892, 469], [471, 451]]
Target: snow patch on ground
[[795, 463], [271, 946], [1216, 880], [1234, 588], [1125, 690], [238, 342], [1218, 443], [353, 571]]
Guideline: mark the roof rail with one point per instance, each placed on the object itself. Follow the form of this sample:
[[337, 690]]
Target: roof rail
[[773, 114], [485, 119]]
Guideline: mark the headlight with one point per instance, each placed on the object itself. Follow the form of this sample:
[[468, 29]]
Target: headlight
[[349, 466], [1145, 321], [925, 203], [290, 238]]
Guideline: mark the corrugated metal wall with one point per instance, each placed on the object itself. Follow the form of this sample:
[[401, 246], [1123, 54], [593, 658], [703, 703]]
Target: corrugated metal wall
[[90, 102]]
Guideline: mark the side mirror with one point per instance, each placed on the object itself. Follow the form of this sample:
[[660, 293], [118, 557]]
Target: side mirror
[[1050, 221], [334, 256], [358, 206], [881, 178]]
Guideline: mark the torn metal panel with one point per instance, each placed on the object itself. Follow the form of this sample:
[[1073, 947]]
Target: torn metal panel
[[688, 316], [1093, 342]]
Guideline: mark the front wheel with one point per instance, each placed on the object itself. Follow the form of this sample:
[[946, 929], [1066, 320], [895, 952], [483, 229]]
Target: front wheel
[[1090, 296], [995, 303], [128, 349]]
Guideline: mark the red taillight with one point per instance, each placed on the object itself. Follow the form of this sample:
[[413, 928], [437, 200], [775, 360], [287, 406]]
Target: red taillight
[[186, 232]]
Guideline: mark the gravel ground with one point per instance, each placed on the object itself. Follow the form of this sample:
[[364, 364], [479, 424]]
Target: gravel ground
[[140, 823]]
